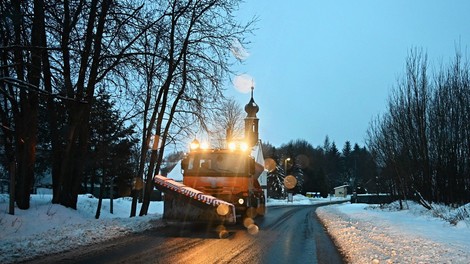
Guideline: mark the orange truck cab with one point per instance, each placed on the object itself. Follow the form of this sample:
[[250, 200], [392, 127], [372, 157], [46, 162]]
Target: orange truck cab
[[229, 175]]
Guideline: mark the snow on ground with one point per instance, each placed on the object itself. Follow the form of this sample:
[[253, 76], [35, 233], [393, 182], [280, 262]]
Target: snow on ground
[[48, 228], [365, 235]]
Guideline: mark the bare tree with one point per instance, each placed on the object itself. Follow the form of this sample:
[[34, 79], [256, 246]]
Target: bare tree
[[189, 59], [450, 132], [422, 142], [226, 123], [22, 35], [61, 51], [98, 42]]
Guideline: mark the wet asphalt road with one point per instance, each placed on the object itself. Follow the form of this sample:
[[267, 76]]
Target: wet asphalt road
[[287, 234]]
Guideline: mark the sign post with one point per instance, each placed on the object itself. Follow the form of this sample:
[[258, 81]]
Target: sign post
[[290, 182]]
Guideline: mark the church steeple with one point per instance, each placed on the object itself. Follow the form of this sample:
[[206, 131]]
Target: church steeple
[[251, 108], [251, 121]]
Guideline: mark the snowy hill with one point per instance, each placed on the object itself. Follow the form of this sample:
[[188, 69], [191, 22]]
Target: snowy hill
[[364, 234]]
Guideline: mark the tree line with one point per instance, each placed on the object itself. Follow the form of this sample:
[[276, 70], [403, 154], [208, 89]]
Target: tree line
[[164, 63], [320, 169], [422, 142]]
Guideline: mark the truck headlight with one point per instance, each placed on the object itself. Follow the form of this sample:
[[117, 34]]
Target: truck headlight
[[241, 201]]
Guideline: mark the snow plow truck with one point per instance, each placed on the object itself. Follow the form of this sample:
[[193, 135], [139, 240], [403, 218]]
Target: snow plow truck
[[219, 185]]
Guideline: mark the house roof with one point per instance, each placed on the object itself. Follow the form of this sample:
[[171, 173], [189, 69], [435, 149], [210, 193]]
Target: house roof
[[175, 173]]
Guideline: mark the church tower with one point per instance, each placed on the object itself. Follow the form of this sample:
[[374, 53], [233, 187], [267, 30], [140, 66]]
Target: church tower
[[251, 121]]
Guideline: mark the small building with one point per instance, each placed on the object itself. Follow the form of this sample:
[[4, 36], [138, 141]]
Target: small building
[[341, 191]]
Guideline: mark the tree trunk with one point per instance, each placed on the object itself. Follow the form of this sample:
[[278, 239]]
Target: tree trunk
[[77, 138], [100, 199], [28, 116]]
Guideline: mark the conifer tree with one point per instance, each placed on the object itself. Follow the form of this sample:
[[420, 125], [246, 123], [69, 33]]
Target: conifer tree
[[111, 146]]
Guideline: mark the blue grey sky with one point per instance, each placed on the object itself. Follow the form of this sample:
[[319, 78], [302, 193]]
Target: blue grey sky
[[327, 67]]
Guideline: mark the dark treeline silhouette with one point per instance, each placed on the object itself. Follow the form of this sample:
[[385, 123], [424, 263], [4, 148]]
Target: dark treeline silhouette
[[320, 169]]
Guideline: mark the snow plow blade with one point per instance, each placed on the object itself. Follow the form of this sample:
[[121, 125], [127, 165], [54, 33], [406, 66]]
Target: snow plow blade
[[183, 203]]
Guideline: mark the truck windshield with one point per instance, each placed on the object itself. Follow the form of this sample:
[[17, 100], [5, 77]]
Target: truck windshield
[[214, 164]]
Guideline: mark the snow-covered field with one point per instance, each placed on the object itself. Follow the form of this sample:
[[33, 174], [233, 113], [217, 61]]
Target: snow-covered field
[[364, 234]]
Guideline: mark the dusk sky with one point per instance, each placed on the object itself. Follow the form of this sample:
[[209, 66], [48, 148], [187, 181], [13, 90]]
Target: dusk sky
[[327, 67]]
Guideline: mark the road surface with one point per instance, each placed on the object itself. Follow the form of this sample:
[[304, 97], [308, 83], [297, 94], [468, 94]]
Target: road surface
[[287, 234]]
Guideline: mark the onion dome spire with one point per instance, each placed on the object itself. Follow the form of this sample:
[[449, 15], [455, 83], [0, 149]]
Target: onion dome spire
[[251, 108]]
